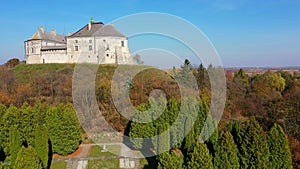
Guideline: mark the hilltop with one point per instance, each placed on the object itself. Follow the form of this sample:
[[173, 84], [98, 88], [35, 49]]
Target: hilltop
[[271, 96]]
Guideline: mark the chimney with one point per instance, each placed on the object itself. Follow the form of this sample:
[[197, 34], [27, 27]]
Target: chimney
[[89, 26], [42, 29], [53, 32], [70, 33]]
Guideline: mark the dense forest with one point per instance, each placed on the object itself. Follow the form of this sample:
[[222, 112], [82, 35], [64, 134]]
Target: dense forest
[[260, 124]]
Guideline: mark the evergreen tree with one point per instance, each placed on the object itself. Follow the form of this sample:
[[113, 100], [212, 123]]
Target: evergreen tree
[[169, 160], [141, 130], [242, 76], [253, 146], [41, 144], [280, 155], [202, 77], [185, 75], [211, 139], [2, 112], [8, 120], [190, 139], [28, 159], [163, 138], [26, 123], [15, 144], [226, 154], [199, 158], [63, 129]]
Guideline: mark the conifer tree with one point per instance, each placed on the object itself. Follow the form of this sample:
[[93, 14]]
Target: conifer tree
[[28, 159], [8, 120], [15, 144], [41, 144], [199, 158], [190, 139], [169, 159], [163, 138], [253, 146], [280, 154], [226, 154], [63, 129]]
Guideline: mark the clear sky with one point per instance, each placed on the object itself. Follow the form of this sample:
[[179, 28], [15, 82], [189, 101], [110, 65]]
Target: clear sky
[[244, 32]]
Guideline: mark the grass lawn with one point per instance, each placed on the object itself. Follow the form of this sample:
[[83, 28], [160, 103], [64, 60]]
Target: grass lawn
[[105, 163], [113, 150], [59, 165]]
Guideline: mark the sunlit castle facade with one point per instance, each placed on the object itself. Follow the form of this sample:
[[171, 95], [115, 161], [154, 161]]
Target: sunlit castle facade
[[94, 43]]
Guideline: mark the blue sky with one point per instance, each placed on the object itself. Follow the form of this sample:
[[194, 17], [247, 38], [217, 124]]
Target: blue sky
[[244, 32]]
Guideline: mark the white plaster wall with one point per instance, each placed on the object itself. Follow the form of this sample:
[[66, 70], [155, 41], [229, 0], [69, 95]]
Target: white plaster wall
[[54, 56], [104, 50], [84, 54], [35, 56], [46, 43]]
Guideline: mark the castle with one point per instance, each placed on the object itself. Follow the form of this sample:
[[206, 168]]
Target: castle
[[93, 43]]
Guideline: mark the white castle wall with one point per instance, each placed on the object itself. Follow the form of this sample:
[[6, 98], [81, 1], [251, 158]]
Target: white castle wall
[[90, 50], [54, 56], [97, 49]]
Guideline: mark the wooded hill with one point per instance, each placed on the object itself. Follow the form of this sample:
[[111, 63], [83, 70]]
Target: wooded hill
[[272, 97]]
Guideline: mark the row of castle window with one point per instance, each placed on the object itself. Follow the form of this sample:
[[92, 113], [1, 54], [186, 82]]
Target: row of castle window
[[76, 48], [91, 41]]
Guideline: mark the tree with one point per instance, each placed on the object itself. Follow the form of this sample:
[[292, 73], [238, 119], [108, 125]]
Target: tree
[[190, 139], [202, 77], [63, 129], [169, 159], [185, 75], [12, 62], [28, 159], [211, 139], [142, 130], [41, 144], [241, 75], [199, 158], [15, 144], [226, 154], [163, 142], [280, 154], [269, 85], [253, 146], [137, 59], [8, 120]]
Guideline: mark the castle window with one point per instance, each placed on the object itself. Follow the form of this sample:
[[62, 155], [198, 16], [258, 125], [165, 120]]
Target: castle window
[[76, 41], [76, 48], [107, 55], [90, 47], [90, 41], [31, 43], [32, 50], [122, 43]]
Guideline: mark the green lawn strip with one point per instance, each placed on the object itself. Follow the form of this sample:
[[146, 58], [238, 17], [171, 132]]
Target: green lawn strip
[[59, 165], [112, 163], [113, 150]]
